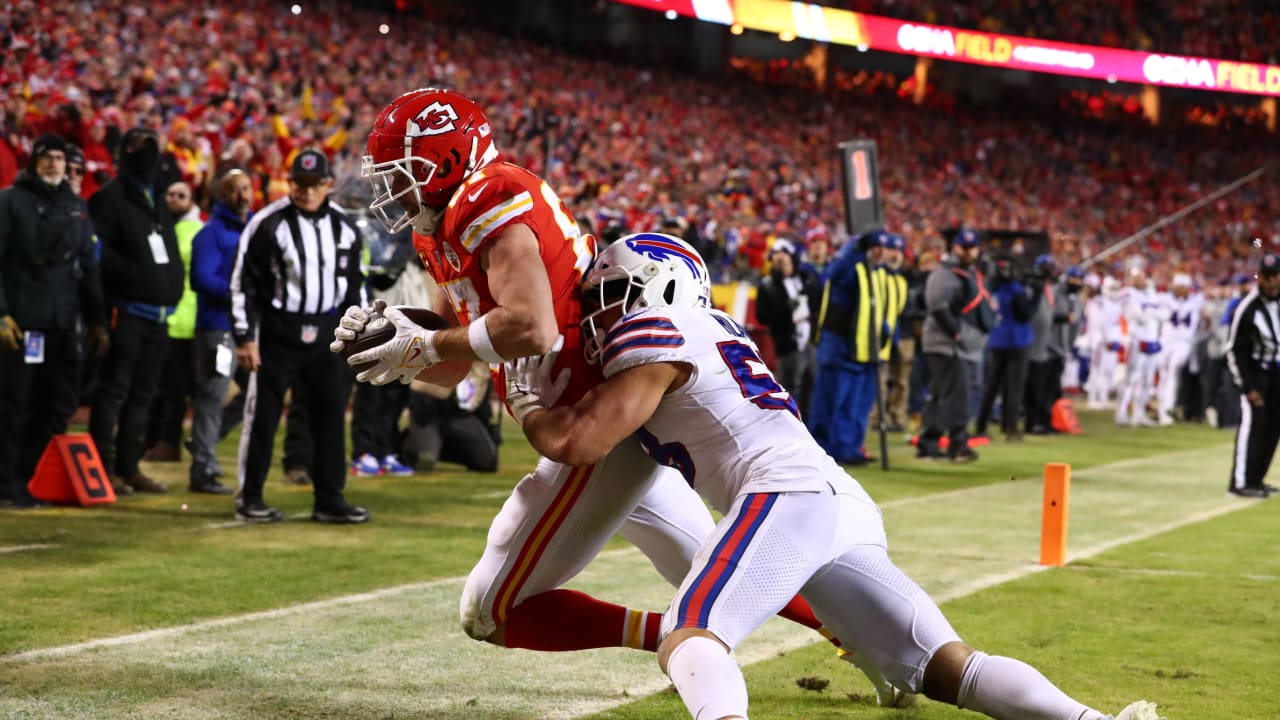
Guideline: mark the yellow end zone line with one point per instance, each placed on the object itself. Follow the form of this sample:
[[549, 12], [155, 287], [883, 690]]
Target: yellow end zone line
[[977, 584]]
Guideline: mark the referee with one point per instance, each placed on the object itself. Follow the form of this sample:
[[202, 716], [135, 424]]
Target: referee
[[298, 268], [1254, 360]]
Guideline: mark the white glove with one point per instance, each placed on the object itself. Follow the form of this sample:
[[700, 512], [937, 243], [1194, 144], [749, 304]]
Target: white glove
[[412, 350], [353, 322], [530, 385]]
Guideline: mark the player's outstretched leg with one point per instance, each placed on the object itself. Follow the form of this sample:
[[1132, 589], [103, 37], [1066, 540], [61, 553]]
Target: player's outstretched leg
[[705, 674]]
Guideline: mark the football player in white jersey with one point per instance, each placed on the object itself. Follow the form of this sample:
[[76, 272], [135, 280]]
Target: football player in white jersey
[[690, 383], [1145, 311], [1177, 335], [1106, 340]]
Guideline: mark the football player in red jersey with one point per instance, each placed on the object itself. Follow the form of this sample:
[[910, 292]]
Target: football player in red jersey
[[508, 258]]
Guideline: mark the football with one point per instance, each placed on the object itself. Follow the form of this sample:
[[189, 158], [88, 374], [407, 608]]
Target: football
[[371, 337]]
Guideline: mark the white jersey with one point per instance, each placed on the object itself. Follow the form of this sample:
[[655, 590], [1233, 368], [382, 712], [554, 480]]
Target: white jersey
[[731, 429], [1102, 316], [1144, 311], [1183, 319]]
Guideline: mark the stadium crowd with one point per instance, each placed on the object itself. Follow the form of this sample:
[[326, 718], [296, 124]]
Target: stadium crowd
[[733, 166], [1237, 30]]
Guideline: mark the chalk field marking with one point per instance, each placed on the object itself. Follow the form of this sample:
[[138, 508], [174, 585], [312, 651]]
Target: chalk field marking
[[10, 549], [634, 675]]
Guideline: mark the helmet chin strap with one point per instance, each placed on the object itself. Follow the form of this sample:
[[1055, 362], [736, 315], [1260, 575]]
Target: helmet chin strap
[[427, 220]]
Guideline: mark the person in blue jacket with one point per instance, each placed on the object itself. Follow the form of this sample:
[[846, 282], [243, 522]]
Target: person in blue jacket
[[1009, 345], [852, 325], [213, 256]]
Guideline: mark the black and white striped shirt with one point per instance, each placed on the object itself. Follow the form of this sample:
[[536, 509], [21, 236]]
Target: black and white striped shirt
[[1254, 340], [297, 263]]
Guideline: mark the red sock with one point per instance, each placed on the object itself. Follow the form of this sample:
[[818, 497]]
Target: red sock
[[561, 620], [798, 611]]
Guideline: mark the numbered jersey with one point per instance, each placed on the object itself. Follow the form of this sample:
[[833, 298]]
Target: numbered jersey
[[493, 198], [1184, 318], [731, 429], [1145, 311]]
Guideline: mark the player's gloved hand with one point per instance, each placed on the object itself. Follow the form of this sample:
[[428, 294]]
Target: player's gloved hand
[[10, 333], [353, 322], [412, 350], [530, 385]]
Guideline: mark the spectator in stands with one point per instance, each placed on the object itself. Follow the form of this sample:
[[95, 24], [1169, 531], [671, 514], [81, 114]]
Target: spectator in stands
[[783, 301], [213, 255], [142, 277], [961, 314], [49, 282], [164, 426], [75, 168]]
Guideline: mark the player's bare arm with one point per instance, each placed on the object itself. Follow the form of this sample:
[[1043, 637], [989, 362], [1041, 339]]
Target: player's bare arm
[[583, 433]]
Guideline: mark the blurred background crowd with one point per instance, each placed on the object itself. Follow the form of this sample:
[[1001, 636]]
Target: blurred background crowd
[[735, 160]]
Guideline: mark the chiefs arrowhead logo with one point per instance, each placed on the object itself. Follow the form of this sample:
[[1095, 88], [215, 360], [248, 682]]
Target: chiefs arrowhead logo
[[434, 119]]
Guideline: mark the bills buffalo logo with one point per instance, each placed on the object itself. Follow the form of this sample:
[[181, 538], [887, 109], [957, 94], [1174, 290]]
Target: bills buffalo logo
[[434, 119]]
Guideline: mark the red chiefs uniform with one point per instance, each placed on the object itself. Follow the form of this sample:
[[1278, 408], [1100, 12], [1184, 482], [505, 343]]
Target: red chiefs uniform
[[491, 199]]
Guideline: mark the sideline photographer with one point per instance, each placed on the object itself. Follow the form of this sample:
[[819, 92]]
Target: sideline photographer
[[1009, 344]]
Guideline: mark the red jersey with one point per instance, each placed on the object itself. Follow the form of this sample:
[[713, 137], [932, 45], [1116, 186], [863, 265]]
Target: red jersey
[[494, 197]]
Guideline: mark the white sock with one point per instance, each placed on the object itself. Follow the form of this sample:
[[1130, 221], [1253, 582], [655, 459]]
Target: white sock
[[1008, 689], [708, 679]]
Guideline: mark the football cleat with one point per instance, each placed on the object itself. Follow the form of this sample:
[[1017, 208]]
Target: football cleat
[[391, 465], [886, 694], [366, 466]]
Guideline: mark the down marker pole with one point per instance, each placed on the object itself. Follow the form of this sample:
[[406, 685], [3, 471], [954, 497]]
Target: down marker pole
[[1053, 525]]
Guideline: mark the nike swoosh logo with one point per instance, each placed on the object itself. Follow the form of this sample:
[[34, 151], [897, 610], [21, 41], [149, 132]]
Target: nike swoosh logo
[[471, 197]]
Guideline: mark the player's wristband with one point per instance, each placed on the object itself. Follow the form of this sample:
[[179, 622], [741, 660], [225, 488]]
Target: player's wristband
[[481, 343]]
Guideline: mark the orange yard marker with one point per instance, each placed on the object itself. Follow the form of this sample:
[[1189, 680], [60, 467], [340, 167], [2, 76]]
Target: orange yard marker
[[1053, 524]]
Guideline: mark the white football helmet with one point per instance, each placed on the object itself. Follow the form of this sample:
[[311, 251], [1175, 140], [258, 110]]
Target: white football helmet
[[639, 271]]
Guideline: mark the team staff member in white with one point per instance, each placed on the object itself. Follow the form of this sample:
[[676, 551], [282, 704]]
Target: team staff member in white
[[298, 269], [689, 383]]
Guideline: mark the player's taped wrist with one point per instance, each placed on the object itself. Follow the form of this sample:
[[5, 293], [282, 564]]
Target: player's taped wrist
[[481, 342]]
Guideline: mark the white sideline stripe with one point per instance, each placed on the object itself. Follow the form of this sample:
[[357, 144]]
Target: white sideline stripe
[[1083, 472], [988, 581], [976, 585], [1168, 572], [134, 638], [9, 549]]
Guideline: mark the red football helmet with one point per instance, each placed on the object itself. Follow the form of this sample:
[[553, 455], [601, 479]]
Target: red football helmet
[[421, 148]]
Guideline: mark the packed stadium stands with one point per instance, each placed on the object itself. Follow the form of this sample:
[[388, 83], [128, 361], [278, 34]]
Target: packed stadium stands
[[252, 83]]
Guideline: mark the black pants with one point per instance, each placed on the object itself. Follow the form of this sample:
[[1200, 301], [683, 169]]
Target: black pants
[[288, 362], [375, 419], [947, 410], [1256, 437], [177, 386], [1191, 395], [29, 419], [441, 431], [1006, 375], [130, 378], [297, 432], [1044, 388]]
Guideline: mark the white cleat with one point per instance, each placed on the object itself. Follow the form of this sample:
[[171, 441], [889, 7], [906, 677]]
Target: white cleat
[[1142, 421], [1165, 420], [887, 696], [1121, 419], [1140, 710]]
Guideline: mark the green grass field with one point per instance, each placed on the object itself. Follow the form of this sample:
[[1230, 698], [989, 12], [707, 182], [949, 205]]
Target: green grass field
[[146, 610]]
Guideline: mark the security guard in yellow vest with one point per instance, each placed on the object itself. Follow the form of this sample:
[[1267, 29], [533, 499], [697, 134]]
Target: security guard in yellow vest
[[893, 362], [855, 320]]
